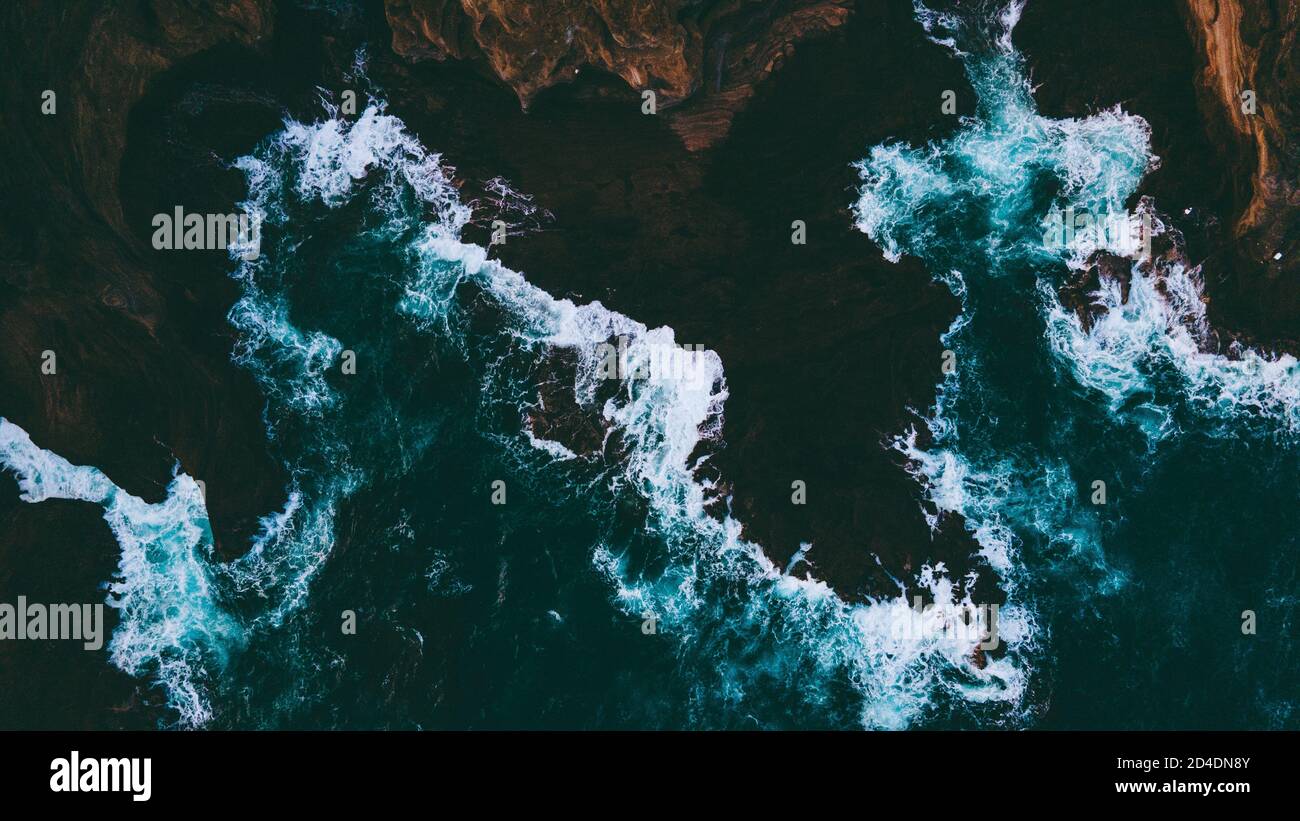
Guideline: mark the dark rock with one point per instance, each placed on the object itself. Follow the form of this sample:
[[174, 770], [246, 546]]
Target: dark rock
[[138, 386], [1227, 179], [711, 53]]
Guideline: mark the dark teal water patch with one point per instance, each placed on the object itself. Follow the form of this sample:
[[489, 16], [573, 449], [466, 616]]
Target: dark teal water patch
[[601, 594], [1141, 598], [538, 612]]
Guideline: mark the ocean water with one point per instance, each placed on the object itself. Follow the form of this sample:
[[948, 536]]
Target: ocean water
[[601, 593], [1139, 602]]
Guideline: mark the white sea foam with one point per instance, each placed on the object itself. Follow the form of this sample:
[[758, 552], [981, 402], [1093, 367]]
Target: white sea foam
[[172, 623], [730, 607], [1099, 161], [662, 421], [1162, 328], [975, 202]]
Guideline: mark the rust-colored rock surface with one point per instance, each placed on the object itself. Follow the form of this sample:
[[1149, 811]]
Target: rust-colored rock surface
[[1248, 86], [826, 345], [702, 59], [1227, 178]]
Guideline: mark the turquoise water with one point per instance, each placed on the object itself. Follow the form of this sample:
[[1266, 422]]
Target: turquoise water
[[1139, 601], [601, 593]]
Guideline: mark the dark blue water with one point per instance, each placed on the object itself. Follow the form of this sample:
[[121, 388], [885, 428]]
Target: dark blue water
[[498, 578]]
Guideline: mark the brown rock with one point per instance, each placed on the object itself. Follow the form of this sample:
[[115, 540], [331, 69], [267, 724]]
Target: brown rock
[[1248, 45], [1226, 179], [138, 387], [711, 54], [1076, 293]]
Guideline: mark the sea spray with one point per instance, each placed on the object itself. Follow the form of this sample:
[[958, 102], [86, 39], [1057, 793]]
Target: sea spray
[[1040, 407], [750, 640], [711, 590], [173, 624], [454, 603]]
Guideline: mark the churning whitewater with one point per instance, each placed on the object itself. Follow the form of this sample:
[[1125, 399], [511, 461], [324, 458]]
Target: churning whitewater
[[600, 591], [1104, 468], [739, 636]]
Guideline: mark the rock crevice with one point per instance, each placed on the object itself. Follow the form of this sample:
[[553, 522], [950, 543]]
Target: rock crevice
[[702, 58]]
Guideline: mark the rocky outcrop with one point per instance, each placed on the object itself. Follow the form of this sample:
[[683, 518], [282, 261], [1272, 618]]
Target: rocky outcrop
[[1227, 178], [826, 345], [1246, 51], [141, 382], [702, 59], [1077, 292], [1248, 85], [118, 49], [532, 46]]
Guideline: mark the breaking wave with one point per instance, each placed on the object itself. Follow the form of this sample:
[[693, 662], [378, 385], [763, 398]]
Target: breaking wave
[[1049, 410], [387, 348], [747, 637]]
